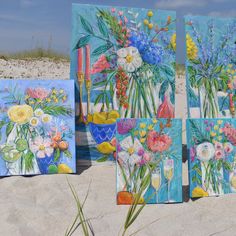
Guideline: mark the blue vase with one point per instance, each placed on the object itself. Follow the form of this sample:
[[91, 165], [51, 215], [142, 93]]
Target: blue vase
[[44, 163], [102, 132]]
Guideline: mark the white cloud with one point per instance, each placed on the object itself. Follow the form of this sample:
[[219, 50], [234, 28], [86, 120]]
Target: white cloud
[[174, 4]]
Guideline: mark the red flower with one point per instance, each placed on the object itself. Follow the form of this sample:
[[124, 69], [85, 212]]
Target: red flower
[[100, 65]]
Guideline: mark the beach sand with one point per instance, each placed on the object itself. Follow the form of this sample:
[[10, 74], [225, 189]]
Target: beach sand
[[43, 205]]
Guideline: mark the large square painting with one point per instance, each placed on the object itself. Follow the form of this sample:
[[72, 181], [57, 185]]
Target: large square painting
[[211, 67], [123, 62], [211, 152], [37, 130], [149, 160]]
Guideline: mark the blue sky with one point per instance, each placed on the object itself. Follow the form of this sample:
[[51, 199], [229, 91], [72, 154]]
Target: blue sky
[[25, 24]]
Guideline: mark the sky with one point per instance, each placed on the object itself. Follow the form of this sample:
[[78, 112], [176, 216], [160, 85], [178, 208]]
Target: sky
[[26, 24]]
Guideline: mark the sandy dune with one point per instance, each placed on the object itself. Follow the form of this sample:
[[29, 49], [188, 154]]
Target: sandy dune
[[43, 205]]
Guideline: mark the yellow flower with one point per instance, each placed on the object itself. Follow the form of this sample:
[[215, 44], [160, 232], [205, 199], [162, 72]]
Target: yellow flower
[[34, 121], [216, 127], [48, 100], [61, 91], [150, 26], [219, 122], [154, 120], [214, 141], [142, 125], [55, 100], [20, 114], [27, 97], [136, 132], [173, 42], [54, 91], [142, 133], [220, 131], [150, 14], [31, 102], [145, 22], [220, 138], [150, 127], [142, 140], [192, 50], [199, 192], [213, 134]]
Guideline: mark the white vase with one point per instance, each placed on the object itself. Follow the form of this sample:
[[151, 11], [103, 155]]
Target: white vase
[[18, 167]]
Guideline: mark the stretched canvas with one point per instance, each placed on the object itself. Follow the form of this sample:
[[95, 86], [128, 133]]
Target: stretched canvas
[[123, 62], [211, 155], [37, 128], [211, 67], [149, 159]]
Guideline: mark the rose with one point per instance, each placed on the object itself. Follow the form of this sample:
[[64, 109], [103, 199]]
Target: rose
[[38, 93], [218, 146], [20, 114], [219, 154], [157, 142], [205, 151]]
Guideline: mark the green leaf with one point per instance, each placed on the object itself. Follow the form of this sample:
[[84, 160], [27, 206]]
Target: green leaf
[[100, 83], [84, 40], [86, 25], [101, 49], [57, 154], [197, 169], [167, 70], [29, 156], [143, 171], [2, 123], [163, 89], [196, 62], [227, 166], [107, 102], [102, 27], [102, 159], [57, 110], [52, 169], [9, 128], [21, 145], [196, 132], [98, 99], [68, 154], [111, 89]]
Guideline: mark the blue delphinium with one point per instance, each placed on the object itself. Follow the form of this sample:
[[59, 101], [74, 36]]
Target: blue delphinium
[[149, 51]]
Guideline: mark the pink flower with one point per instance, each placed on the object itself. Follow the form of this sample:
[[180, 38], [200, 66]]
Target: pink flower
[[230, 133], [219, 154], [192, 153], [157, 142], [147, 157], [228, 147], [100, 65], [125, 125], [113, 10], [41, 147], [125, 19], [120, 13], [218, 146], [38, 93]]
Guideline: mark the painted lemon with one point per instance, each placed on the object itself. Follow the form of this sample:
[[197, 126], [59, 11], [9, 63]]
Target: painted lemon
[[113, 114], [199, 192], [110, 121], [64, 169], [105, 148], [98, 118], [141, 199]]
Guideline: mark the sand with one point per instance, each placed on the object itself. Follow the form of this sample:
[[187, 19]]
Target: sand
[[43, 205]]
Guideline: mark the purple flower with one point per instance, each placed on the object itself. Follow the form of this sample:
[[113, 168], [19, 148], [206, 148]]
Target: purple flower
[[125, 125], [192, 153], [205, 122], [208, 129], [141, 152], [212, 124]]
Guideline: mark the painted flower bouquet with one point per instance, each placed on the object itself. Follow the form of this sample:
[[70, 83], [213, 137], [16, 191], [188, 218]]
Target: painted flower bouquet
[[143, 150], [211, 156], [208, 56], [36, 136], [134, 62]]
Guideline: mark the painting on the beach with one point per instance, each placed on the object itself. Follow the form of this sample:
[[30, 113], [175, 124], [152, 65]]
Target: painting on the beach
[[149, 160], [211, 67], [123, 62], [211, 152], [37, 128]]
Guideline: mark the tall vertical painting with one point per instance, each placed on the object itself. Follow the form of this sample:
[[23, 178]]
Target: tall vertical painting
[[211, 67], [211, 151], [37, 127], [123, 62], [149, 160]]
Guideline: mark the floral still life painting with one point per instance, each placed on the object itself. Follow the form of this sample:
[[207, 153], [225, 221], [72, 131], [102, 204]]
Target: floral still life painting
[[149, 157], [123, 62], [212, 156], [37, 127], [211, 67]]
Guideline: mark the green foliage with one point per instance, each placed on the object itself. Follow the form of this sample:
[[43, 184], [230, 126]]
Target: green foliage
[[29, 157], [57, 110], [57, 154], [102, 49], [83, 41], [86, 25], [102, 27], [68, 154], [9, 128], [103, 159], [21, 145], [196, 132], [52, 169]]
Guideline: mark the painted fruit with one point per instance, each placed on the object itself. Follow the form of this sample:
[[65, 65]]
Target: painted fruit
[[63, 145], [105, 148], [124, 197], [64, 169], [52, 169]]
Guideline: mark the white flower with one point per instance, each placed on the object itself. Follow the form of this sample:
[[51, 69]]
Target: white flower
[[46, 118], [131, 150], [205, 151], [34, 121], [129, 59], [41, 147], [38, 112]]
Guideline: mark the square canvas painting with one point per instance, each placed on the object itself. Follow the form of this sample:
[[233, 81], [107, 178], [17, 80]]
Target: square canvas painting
[[211, 156], [123, 62], [211, 66], [149, 160], [37, 128]]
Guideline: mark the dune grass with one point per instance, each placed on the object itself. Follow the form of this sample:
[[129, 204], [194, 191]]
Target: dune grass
[[35, 54]]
